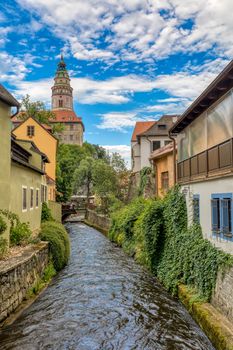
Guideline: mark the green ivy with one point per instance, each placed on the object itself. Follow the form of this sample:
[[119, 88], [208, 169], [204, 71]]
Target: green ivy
[[144, 177], [46, 214], [156, 232]]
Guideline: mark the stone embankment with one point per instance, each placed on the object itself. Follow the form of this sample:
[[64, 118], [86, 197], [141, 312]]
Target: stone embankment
[[18, 274], [100, 222]]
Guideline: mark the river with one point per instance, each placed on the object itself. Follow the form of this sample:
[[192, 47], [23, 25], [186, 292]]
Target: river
[[103, 300]]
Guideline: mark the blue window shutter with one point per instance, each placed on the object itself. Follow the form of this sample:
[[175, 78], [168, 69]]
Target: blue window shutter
[[215, 215], [225, 216]]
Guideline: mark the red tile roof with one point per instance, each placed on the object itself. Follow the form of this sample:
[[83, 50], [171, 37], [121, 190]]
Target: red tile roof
[[65, 116], [141, 127]]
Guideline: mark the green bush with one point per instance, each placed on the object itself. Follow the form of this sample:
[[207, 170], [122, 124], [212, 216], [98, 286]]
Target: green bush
[[156, 232], [3, 247], [59, 243], [46, 214], [20, 233], [3, 225]]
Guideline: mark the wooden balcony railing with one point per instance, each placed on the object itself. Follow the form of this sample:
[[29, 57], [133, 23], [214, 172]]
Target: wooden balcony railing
[[212, 162]]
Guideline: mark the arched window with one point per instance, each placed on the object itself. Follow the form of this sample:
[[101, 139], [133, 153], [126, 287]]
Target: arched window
[[60, 103]]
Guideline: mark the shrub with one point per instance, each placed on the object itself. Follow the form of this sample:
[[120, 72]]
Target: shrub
[[156, 233], [46, 213], [3, 226], [3, 247], [20, 233], [59, 244]]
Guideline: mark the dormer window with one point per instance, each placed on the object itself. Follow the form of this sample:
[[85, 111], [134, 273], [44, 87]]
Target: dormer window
[[30, 130], [162, 126]]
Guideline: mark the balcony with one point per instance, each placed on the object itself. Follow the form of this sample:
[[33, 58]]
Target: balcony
[[213, 162]]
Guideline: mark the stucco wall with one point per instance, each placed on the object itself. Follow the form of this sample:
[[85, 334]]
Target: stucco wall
[[146, 147], [55, 210], [5, 149], [22, 176], [18, 275], [205, 189], [76, 132], [162, 165], [43, 140]]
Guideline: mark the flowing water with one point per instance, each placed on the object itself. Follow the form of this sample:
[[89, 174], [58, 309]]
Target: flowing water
[[103, 300]]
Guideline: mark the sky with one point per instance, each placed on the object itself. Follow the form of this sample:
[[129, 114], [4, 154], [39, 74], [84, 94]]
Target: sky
[[128, 60]]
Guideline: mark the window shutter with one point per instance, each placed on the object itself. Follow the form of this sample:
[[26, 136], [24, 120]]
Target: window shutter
[[215, 215], [225, 216]]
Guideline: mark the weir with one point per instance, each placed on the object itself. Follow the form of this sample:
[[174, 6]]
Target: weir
[[103, 300]]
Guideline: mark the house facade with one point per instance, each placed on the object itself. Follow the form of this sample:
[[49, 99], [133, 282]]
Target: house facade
[[148, 137], [22, 170], [205, 160], [31, 130], [164, 169]]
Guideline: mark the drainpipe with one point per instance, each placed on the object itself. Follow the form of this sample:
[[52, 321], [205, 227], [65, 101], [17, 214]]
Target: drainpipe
[[174, 156], [17, 111]]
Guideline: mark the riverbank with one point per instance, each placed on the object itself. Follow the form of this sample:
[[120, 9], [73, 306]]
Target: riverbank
[[215, 325], [103, 300]]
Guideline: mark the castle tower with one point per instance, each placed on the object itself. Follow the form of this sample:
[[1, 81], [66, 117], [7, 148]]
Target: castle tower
[[62, 108], [62, 92]]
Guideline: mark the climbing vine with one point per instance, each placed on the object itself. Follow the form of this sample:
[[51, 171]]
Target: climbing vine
[[144, 178], [156, 233]]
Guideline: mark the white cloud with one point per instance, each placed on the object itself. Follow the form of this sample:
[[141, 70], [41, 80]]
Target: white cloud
[[12, 69], [136, 29], [117, 121], [123, 150]]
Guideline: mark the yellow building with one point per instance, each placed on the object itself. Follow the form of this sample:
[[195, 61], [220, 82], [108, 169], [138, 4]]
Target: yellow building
[[164, 168], [30, 129]]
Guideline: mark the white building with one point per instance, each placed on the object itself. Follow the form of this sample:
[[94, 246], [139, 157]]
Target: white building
[[205, 159], [147, 137]]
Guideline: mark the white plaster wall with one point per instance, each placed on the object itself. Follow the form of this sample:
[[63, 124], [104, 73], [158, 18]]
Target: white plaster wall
[[146, 148], [204, 190]]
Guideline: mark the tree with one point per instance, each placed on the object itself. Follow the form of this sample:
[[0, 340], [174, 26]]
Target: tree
[[118, 163], [83, 176], [38, 111]]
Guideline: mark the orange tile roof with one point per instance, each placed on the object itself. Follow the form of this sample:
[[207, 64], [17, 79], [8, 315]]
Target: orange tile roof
[[65, 116], [141, 127]]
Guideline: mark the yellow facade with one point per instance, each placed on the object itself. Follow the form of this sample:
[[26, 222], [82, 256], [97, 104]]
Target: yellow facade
[[47, 144], [164, 173]]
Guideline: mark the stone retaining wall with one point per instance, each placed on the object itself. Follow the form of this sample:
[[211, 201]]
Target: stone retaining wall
[[223, 295], [18, 274], [98, 220]]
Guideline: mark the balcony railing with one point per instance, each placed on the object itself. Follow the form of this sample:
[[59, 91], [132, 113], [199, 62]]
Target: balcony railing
[[212, 162]]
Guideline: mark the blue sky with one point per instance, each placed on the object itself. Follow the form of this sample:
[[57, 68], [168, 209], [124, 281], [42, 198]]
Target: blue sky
[[129, 60]]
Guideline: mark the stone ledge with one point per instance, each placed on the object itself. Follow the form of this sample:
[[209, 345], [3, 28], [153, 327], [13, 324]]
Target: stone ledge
[[216, 326], [26, 255]]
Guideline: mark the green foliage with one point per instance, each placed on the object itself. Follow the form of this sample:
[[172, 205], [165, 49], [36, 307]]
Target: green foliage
[[20, 233], [46, 213], [3, 246], [144, 175], [48, 274], [156, 232], [3, 225], [59, 243]]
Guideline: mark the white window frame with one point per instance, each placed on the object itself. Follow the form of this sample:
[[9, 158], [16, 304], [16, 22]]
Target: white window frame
[[37, 201], [31, 198], [24, 188]]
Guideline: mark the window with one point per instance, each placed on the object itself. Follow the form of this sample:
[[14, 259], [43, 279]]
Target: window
[[71, 137], [60, 102], [24, 199], [42, 193], [31, 197], [221, 207], [167, 142], [155, 145], [71, 126], [30, 130], [196, 209], [165, 180], [162, 126], [37, 197]]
